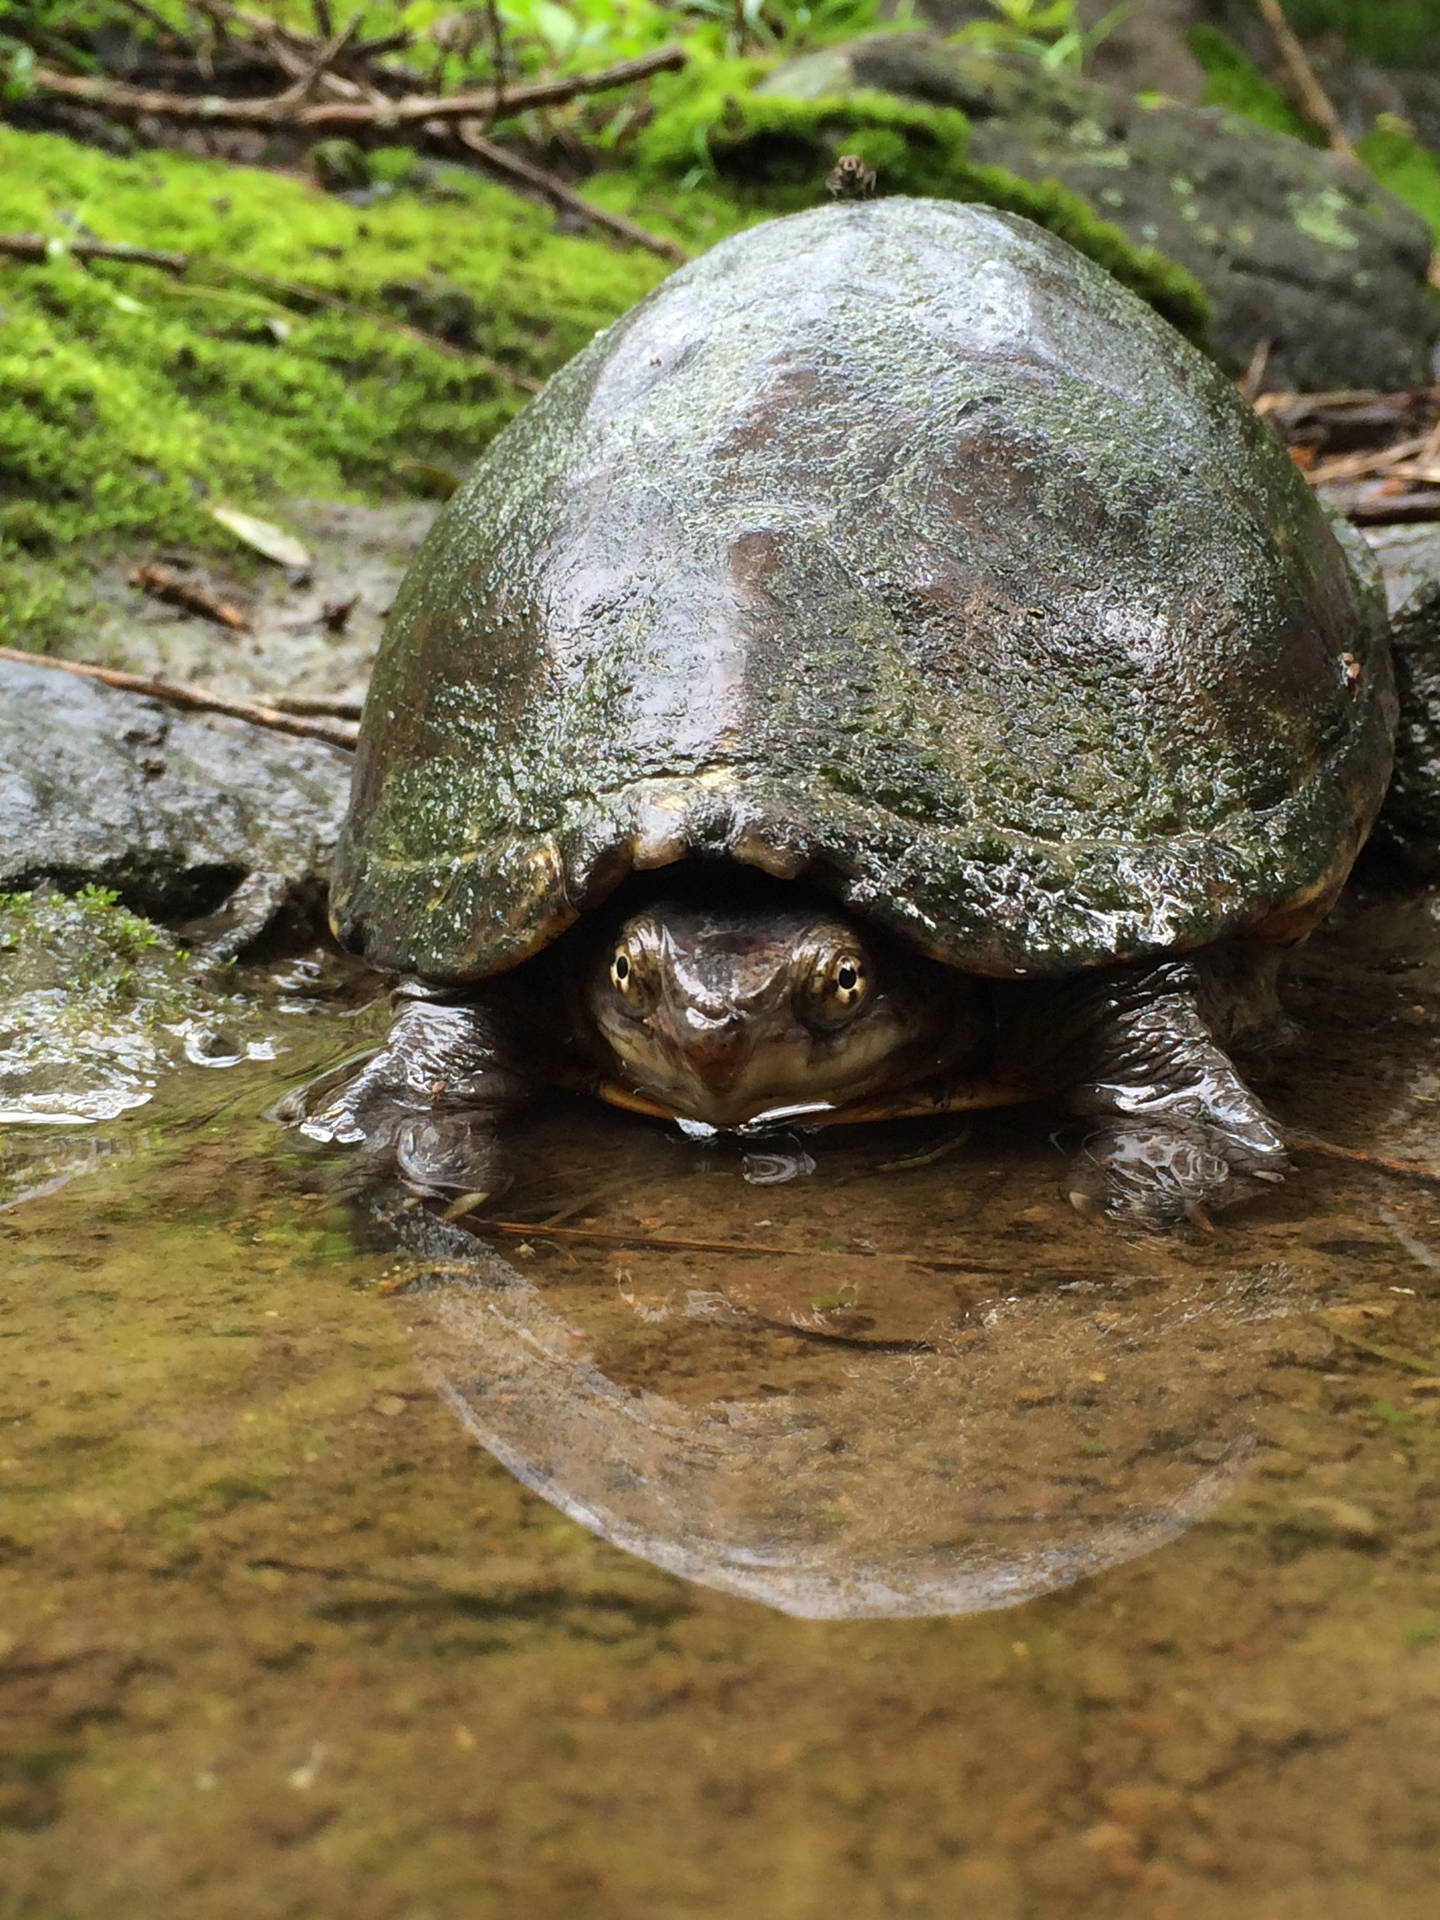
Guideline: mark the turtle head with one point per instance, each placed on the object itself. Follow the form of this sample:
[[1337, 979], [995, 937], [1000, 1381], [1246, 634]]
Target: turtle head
[[724, 1012]]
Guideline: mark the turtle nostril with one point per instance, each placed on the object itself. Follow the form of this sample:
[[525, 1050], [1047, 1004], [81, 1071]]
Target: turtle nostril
[[704, 1020]]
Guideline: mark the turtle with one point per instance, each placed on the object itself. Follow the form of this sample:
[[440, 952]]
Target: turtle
[[888, 671]]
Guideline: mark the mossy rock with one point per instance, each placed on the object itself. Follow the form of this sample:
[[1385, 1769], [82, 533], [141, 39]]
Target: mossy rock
[[1290, 245], [770, 138]]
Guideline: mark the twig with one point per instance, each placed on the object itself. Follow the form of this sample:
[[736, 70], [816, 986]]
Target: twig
[[672, 1243], [1393, 1355], [160, 24], [1311, 97], [1309, 1143], [304, 85], [1370, 463], [367, 50], [126, 102], [503, 161], [1254, 376], [1381, 503], [323, 20], [499, 70], [161, 585], [482, 363], [34, 246], [331, 703], [176, 693]]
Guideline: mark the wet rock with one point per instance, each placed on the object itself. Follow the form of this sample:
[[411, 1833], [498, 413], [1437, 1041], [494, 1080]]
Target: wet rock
[[1410, 565], [1292, 245], [190, 820], [1408, 558]]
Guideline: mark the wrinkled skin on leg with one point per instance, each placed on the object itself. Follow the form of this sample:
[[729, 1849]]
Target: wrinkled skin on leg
[[1140, 1051], [431, 1103]]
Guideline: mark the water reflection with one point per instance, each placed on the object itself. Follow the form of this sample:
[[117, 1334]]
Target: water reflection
[[911, 1381], [875, 1428]]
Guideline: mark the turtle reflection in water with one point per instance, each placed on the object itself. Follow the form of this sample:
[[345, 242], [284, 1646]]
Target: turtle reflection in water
[[889, 670]]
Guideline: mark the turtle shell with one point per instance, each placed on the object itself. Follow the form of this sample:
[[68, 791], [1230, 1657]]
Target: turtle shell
[[897, 546]]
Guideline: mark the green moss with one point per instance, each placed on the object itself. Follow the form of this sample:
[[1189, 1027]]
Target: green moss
[[127, 397], [92, 948], [1233, 81], [772, 152], [1406, 169]]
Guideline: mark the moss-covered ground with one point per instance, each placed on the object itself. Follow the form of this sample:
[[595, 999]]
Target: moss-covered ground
[[278, 364], [129, 397]]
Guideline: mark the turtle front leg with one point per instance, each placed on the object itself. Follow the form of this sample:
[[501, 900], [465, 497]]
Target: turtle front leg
[[430, 1103], [1177, 1133]]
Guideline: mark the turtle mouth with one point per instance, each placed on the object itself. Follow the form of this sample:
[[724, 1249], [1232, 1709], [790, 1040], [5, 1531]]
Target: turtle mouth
[[723, 1078], [731, 1077]]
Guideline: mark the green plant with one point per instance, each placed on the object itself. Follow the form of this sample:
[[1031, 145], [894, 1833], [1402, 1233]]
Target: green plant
[[1049, 31], [1392, 33], [1233, 81]]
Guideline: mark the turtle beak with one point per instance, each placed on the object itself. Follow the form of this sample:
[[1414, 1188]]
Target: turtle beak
[[717, 1050]]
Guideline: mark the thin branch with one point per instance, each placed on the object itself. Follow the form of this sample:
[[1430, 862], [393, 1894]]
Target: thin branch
[[1311, 97], [499, 69], [177, 693], [297, 291], [306, 82], [160, 24], [289, 51], [126, 102], [554, 188], [335, 704], [34, 246], [381, 44], [672, 1243], [163, 585], [1327, 1150]]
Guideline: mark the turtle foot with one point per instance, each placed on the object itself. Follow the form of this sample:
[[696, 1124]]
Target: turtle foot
[[428, 1105], [1160, 1173]]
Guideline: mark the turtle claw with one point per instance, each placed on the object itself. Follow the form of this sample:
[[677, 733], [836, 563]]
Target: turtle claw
[[1198, 1217]]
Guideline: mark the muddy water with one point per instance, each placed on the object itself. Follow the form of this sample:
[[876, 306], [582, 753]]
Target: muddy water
[[1088, 1573]]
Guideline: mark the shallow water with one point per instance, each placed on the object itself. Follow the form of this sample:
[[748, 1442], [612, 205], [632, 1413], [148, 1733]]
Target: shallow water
[[276, 1636]]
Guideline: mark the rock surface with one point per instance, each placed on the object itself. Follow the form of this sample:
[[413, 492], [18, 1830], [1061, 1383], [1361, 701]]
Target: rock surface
[[1409, 559], [1293, 246], [190, 820]]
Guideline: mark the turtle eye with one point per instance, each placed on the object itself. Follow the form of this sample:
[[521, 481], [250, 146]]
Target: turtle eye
[[837, 988], [629, 975]]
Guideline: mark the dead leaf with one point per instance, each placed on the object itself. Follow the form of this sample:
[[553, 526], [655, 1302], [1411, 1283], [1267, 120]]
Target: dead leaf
[[271, 541]]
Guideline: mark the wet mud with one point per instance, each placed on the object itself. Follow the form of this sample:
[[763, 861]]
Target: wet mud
[[277, 1636]]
